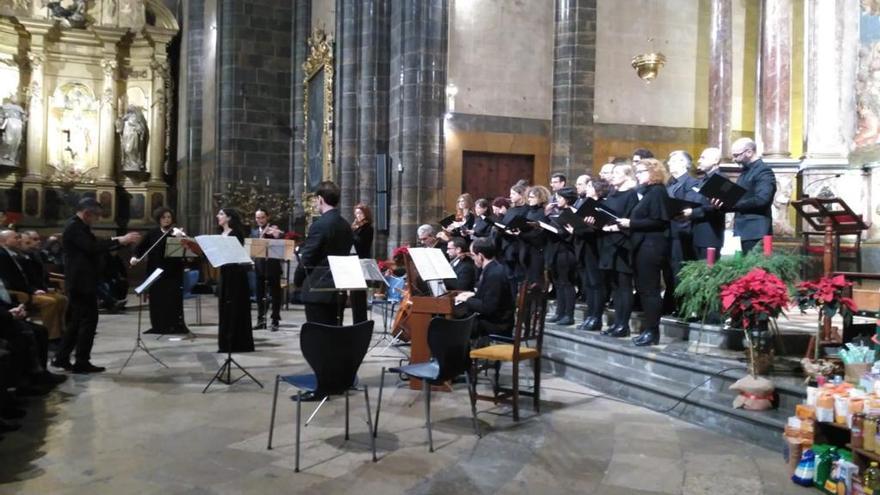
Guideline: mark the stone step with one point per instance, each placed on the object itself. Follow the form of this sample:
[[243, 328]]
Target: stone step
[[651, 377]]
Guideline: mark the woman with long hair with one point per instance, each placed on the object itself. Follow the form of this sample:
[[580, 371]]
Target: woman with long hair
[[362, 235], [235, 333], [510, 243], [464, 217], [166, 293]]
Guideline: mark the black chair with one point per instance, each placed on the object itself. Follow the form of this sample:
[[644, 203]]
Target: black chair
[[335, 354], [449, 342]]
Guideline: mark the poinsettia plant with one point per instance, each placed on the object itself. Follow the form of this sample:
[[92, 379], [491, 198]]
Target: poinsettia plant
[[754, 298], [399, 252], [385, 265], [827, 295]]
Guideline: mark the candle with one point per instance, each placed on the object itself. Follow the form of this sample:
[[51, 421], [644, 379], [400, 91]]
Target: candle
[[768, 245], [710, 256]]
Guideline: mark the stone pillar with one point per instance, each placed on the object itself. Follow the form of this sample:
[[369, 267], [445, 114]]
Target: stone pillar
[[720, 75], [832, 65], [346, 112], [301, 22], [417, 103], [775, 77], [574, 66], [157, 125], [107, 122], [36, 127]]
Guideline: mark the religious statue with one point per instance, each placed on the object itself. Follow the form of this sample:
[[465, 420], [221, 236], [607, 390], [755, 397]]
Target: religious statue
[[12, 120], [132, 128], [72, 16]]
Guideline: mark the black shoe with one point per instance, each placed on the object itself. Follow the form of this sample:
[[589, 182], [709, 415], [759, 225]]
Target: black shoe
[[261, 325], [590, 324], [647, 337], [152, 330], [552, 319], [274, 327], [618, 331], [10, 412], [61, 363], [87, 367], [565, 321], [47, 378]]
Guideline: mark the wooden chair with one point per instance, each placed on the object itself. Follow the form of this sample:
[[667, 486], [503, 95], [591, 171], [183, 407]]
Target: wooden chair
[[529, 328]]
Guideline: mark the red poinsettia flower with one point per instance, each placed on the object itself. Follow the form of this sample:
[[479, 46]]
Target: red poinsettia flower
[[755, 297], [292, 236], [826, 294], [400, 251], [384, 265]]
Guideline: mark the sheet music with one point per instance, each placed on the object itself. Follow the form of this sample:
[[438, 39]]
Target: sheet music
[[149, 281], [371, 271], [347, 272], [223, 250], [276, 249], [431, 264], [547, 226], [175, 248]]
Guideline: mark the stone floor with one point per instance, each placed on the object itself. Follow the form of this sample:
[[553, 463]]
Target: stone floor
[[151, 430]]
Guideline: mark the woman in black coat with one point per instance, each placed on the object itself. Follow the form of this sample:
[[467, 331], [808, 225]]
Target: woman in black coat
[[614, 248], [235, 333], [534, 239], [648, 226], [586, 247], [166, 293], [562, 262], [362, 235]]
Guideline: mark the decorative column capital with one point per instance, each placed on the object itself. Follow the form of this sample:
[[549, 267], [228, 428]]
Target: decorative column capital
[[109, 67], [36, 60]]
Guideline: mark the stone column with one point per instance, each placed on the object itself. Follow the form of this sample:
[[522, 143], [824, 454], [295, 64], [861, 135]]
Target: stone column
[[36, 126], [302, 17], [832, 65], [574, 66], [775, 77], [346, 112], [720, 75], [417, 104], [107, 122], [157, 125]]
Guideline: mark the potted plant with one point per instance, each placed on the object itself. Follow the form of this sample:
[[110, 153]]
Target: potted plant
[[825, 294], [753, 302]]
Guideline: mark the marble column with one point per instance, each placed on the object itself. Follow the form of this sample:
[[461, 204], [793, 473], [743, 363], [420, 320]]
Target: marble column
[[302, 21], [419, 31], [36, 133], [775, 77], [574, 66], [832, 64], [346, 112], [107, 123], [720, 75], [157, 125]]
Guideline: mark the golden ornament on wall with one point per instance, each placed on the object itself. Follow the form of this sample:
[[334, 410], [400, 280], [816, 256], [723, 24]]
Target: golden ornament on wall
[[647, 65]]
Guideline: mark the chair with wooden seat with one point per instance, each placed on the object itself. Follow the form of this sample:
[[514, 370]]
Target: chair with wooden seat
[[525, 345]]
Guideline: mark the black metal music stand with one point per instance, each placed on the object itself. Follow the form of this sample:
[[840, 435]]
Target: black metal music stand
[[139, 342], [176, 248]]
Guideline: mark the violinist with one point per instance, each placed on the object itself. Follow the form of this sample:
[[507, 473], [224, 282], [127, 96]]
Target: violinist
[[166, 294], [268, 272]]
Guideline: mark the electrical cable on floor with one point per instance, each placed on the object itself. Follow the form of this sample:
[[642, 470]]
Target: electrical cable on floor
[[661, 411]]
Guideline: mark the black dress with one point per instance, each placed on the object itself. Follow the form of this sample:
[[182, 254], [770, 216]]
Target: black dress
[[235, 333], [166, 294]]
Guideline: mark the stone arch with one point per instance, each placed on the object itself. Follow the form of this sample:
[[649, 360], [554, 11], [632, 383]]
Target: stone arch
[[158, 15]]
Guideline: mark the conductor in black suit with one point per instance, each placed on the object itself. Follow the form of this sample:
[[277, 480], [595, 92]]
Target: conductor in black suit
[[754, 217], [494, 299], [82, 255], [268, 272], [462, 264], [329, 235]]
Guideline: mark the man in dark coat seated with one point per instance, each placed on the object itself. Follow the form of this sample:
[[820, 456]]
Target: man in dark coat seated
[[462, 264], [329, 235], [494, 299]]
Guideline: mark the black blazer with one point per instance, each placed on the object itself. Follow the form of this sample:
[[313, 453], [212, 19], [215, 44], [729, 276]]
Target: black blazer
[[363, 241], [754, 217], [494, 300], [13, 274], [269, 268], [649, 220], [614, 247], [707, 223], [329, 235], [465, 275], [679, 188], [35, 271], [82, 258]]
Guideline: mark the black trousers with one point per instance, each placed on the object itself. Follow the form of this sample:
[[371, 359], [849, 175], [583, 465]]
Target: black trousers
[[82, 322], [748, 244], [593, 286], [564, 274], [681, 250], [274, 284], [622, 290], [358, 301], [328, 314], [649, 262]]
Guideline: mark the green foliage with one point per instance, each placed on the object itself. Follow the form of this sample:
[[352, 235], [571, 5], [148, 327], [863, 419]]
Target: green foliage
[[699, 286]]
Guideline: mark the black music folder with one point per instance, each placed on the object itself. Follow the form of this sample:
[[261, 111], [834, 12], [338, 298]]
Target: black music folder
[[568, 218], [675, 206], [446, 222], [519, 222], [722, 188]]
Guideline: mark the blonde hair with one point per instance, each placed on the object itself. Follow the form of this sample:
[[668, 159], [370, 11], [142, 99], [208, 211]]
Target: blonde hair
[[469, 201], [657, 171]]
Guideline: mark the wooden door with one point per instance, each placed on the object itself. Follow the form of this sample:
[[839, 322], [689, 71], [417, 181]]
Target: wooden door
[[489, 175]]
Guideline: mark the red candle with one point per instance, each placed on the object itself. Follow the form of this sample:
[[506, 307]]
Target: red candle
[[710, 256], [768, 245]]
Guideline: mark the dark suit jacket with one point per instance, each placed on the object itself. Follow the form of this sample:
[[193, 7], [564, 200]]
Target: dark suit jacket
[[494, 300], [329, 235], [13, 274], [82, 258], [465, 275], [270, 268], [678, 188], [754, 218], [707, 223], [35, 271], [649, 220]]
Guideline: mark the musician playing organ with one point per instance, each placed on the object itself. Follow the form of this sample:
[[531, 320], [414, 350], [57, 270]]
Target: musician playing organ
[[494, 296], [268, 272]]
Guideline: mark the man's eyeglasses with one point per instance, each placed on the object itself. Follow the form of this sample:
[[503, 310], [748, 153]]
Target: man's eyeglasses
[[737, 155]]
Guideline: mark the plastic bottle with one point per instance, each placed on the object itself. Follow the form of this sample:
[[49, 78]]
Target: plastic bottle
[[871, 479], [869, 430]]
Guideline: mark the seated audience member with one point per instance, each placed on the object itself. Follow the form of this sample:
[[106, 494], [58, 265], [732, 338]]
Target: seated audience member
[[494, 298], [38, 278], [462, 264], [14, 275]]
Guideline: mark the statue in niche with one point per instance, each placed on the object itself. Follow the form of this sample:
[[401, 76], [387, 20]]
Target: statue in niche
[[12, 120], [132, 129], [71, 16]]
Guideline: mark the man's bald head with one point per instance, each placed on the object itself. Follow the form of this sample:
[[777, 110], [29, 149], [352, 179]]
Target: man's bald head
[[9, 239]]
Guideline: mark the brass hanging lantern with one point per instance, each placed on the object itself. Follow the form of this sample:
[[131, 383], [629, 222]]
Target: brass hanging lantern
[[647, 65]]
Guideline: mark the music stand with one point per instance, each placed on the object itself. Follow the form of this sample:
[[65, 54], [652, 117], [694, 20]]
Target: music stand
[[139, 342], [831, 216], [269, 249], [176, 247], [225, 250]]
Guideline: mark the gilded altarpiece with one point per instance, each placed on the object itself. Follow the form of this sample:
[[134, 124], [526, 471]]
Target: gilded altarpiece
[[318, 109]]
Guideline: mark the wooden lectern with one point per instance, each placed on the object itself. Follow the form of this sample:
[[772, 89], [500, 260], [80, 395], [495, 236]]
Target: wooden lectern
[[833, 217]]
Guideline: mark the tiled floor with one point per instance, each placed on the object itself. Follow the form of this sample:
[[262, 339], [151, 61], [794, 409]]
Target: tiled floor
[[151, 430]]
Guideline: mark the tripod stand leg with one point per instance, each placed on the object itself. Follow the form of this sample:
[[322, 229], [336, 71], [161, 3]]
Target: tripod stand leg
[[130, 355], [144, 347]]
